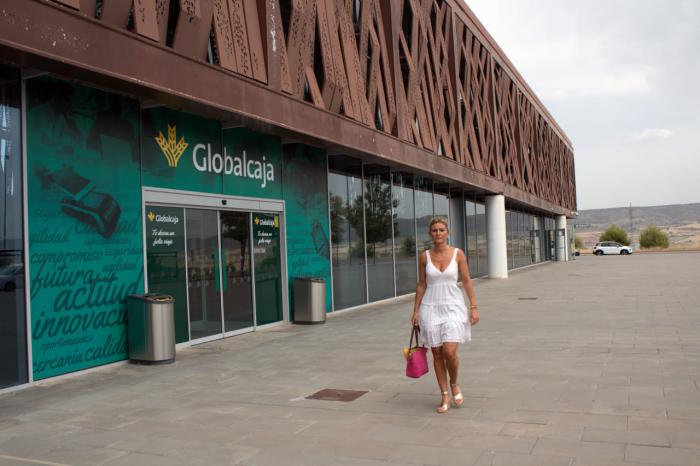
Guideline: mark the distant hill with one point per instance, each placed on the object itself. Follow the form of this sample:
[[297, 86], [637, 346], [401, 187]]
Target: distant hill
[[680, 221]]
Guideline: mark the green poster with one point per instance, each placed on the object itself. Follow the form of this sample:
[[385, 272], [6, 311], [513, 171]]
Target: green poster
[[306, 205], [181, 151], [84, 203], [252, 164], [268, 268], [165, 260]]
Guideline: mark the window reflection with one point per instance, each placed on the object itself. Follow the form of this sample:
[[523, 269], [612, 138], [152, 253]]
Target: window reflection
[[347, 231], [378, 221], [424, 211], [404, 233], [13, 344]]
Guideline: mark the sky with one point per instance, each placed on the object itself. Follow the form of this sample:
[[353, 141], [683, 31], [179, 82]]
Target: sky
[[622, 79]]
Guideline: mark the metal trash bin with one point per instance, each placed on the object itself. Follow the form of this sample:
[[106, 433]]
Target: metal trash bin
[[151, 325], [309, 300]]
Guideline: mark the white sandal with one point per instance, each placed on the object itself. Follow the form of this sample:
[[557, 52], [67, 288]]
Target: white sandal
[[444, 407], [458, 398]]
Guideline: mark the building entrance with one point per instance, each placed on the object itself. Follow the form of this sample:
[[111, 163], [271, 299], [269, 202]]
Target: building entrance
[[223, 266]]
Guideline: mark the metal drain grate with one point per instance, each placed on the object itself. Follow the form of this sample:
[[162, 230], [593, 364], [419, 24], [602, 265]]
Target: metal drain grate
[[334, 394], [527, 299]]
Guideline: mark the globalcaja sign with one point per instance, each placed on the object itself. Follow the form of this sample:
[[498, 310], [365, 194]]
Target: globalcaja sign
[[186, 152]]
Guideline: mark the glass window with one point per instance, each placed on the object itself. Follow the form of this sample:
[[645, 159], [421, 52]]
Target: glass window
[[202, 234], [404, 234], [509, 239], [378, 214], [472, 259], [13, 331], [165, 261], [442, 206], [347, 231], [268, 268], [424, 212], [517, 253], [525, 239], [481, 240]]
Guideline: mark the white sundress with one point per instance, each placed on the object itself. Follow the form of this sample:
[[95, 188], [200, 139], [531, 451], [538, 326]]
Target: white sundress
[[443, 313]]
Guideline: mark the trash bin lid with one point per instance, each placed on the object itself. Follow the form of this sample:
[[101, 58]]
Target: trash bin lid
[[311, 279], [152, 297]]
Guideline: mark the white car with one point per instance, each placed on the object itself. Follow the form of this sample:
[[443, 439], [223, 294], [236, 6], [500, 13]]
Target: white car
[[611, 247], [11, 277]]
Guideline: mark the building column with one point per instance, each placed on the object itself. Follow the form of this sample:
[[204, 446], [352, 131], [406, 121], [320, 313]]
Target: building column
[[497, 246], [562, 242]]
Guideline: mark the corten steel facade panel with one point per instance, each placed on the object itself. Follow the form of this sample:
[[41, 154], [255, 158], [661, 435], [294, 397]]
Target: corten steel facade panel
[[415, 83]]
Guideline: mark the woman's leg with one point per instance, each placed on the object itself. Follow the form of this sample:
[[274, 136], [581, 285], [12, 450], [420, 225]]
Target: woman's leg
[[451, 355], [441, 375]]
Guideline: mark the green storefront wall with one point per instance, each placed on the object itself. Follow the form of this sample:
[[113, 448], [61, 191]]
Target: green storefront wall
[[84, 204], [85, 171]]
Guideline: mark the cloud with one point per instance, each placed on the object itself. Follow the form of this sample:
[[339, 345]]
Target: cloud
[[652, 134], [600, 81]]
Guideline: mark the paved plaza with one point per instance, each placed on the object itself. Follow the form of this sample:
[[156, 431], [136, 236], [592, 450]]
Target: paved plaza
[[594, 362]]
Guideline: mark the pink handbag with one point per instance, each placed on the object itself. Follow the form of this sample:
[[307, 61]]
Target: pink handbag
[[416, 357]]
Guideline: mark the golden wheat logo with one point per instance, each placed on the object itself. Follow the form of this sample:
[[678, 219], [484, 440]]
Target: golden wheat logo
[[172, 148], [151, 216]]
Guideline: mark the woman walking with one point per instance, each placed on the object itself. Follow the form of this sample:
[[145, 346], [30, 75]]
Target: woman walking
[[440, 310]]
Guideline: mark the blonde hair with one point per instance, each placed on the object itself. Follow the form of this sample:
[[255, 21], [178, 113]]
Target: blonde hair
[[435, 220]]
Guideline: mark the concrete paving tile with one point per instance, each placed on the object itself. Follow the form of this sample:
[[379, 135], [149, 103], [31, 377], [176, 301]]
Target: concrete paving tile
[[686, 439], [575, 448], [48, 450], [262, 440], [520, 459], [499, 443], [543, 431], [598, 462], [663, 456], [276, 457], [632, 437], [98, 421], [197, 450], [156, 414], [663, 425], [285, 426], [96, 437], [6, 460], [355, 447], [142, 459], [455, 426], [444, 456], [636, 410]]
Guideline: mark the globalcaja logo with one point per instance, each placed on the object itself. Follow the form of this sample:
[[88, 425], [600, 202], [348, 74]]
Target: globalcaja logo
[[206, 160], [267, 222], [172, 148], [151, 216]]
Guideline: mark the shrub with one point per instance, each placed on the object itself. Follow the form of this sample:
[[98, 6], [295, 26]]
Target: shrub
[[653, 237], [578, 242], [615, 233]]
